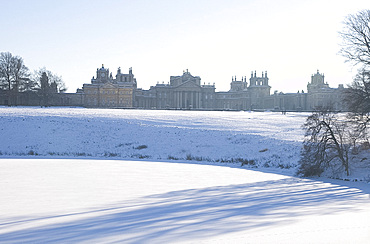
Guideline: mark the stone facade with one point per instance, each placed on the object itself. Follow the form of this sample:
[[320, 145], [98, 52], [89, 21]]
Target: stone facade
[[187, 92], [35, 98], [106, 91], [244, 96], [319, 95], [182, 92]]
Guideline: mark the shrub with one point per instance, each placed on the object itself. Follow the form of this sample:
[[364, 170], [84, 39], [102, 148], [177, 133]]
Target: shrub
[[141, 147]]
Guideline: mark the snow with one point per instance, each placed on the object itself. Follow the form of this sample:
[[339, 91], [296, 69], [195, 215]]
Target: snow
[[268, 138], [72, 175], [93, 201]]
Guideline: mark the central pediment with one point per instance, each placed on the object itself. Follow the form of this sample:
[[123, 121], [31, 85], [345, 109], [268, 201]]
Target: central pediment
[[109, 85], [188, 85]]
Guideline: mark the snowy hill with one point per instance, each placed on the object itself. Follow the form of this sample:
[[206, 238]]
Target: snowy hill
[[252, 139], [74, 175], [262, 139]]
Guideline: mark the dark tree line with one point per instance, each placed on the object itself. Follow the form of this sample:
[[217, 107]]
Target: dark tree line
[[332, 139], [16, 78]]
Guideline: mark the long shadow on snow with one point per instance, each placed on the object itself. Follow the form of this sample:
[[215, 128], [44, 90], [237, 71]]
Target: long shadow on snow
[[189, 214]]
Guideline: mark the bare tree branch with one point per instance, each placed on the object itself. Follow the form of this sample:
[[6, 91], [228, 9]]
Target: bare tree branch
[[356, 38]]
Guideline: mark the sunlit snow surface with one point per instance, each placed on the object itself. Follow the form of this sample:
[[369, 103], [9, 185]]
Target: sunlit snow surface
[[70, 192], [157, 135], [113, 201]]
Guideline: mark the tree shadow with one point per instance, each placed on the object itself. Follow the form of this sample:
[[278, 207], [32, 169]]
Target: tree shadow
[[189, 214]]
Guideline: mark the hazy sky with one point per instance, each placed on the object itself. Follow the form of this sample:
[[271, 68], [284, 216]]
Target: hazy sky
[[214, 39]]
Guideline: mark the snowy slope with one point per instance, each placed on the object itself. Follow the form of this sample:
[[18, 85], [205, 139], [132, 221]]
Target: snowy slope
[[270, 139], [72, 175]]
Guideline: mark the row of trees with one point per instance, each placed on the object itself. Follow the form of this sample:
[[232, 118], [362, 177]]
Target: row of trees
[[15, 78], [332, 140]]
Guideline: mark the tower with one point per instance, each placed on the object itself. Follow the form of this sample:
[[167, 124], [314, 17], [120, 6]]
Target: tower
[[102, 75], [258, 89], [317, 82], [236, 86]]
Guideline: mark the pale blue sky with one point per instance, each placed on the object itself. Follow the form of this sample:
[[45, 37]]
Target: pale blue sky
[[214, 39]]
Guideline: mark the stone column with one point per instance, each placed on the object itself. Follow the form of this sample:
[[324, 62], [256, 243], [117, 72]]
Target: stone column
[[180, 93], [174, 100], [186, 100], [200, 100], [179, 99], [199, 97], [176, 94], [196, 100], [192, 99]]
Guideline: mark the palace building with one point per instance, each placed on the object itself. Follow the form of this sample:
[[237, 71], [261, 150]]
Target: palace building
[[182, 92], [187, 91], [106, 91]]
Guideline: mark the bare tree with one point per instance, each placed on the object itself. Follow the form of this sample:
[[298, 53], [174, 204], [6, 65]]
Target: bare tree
[[29, 85], [356, 48], [13, 74], [327, 144], [357, 100], [356, 38], [53, 79], [330, 138], [20, 73], [6, 66], [357, 96]]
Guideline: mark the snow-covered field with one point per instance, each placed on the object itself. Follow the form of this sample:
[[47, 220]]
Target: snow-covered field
[[72, 175], [270, 139]]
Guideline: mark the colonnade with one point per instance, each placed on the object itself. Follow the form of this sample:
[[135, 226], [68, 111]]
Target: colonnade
[[187, 99]]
